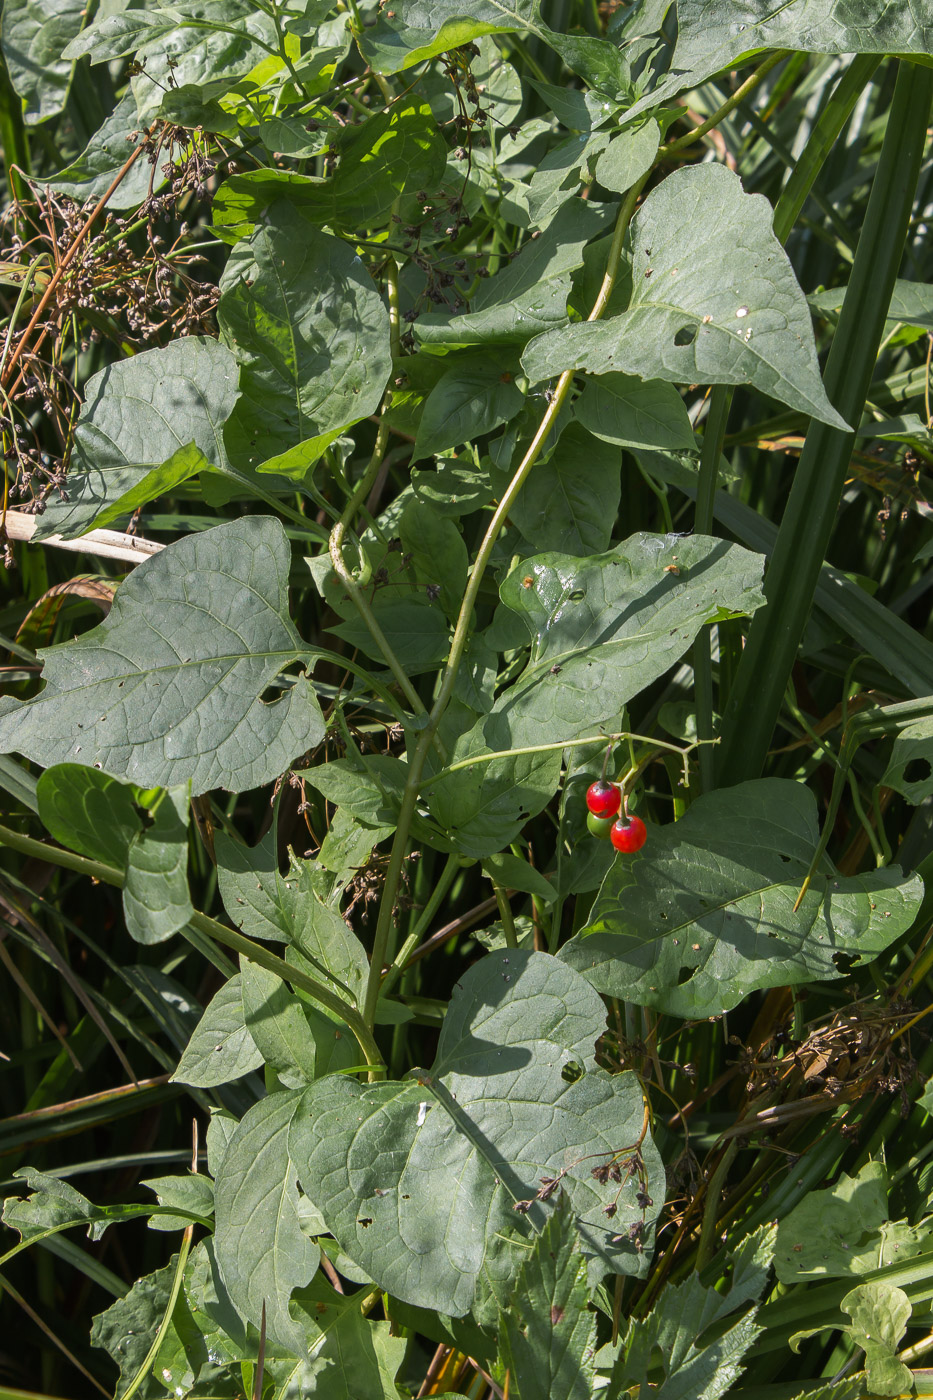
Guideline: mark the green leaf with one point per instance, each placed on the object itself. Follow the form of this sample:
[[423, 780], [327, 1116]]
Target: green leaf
[[264, 903], [415, 628], [370, 788], [485, 807], [277, 1022], [530, 294], [454, 488], [128, 1327], [221, 1048], [671, 1336], [156, 900], [603, 628], [845, 1231], [192, 1193], [261, 1253], [53, 1204], [348, 845], [164, 710], [704, 914], [910, 767], [547, 1338], [437, 551], [570, 501], [157, 410], [394, 153], [689, 323], [418, 1180], [628, 156], [89, 812], [634, 412], [33, 38], [704, 28], [511, 872], [92, 173], [426, 29], [301, 314], [879, 1314], [464, 404], [353, 1358]]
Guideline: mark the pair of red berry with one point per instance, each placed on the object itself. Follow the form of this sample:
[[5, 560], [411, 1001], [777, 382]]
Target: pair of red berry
[[626, 833]]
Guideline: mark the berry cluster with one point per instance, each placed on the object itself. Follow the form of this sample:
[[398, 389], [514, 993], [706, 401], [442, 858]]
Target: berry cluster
[[607, 822]]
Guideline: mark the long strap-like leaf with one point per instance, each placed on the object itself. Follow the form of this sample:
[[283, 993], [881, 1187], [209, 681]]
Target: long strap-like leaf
[[775, 633]]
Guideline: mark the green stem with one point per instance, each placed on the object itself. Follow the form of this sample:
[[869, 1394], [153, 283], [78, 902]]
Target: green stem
[[211, 929], [462, 629], [720, 402], [438, 895], [761, 679], [738, 97], [505, 914], [143, 1373], [712, 1203]]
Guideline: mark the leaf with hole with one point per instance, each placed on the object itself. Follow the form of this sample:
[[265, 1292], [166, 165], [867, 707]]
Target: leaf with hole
[[692, 320]]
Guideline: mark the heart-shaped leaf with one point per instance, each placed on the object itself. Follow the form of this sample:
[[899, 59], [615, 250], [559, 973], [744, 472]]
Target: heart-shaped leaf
[[694, 319], [170, 687], [704, 914], [429, 1185]]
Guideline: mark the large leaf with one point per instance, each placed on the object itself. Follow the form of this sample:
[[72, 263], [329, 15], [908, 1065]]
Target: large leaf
[[693, 320], [605, 627], [128, 1327], [845, 1230], [351, 1357], [261, 1252], [548, 1337], [310, 331], [138, 414], [33, 34], [704, 914], [170, 687], [707, 31], [484, 807], [464, 403], [419, 1180]]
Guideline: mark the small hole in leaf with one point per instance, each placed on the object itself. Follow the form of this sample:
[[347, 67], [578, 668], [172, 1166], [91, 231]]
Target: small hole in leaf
[[578, 595], [686, 335], [918, 770], [365, 1221], [785, 859], [571, 1072]]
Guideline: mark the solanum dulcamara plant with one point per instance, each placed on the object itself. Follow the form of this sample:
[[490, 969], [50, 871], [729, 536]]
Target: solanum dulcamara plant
[[459, 698]]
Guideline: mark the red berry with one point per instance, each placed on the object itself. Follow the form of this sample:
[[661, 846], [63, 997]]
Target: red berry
[[600, 827], [629, 834], [603, 799]]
